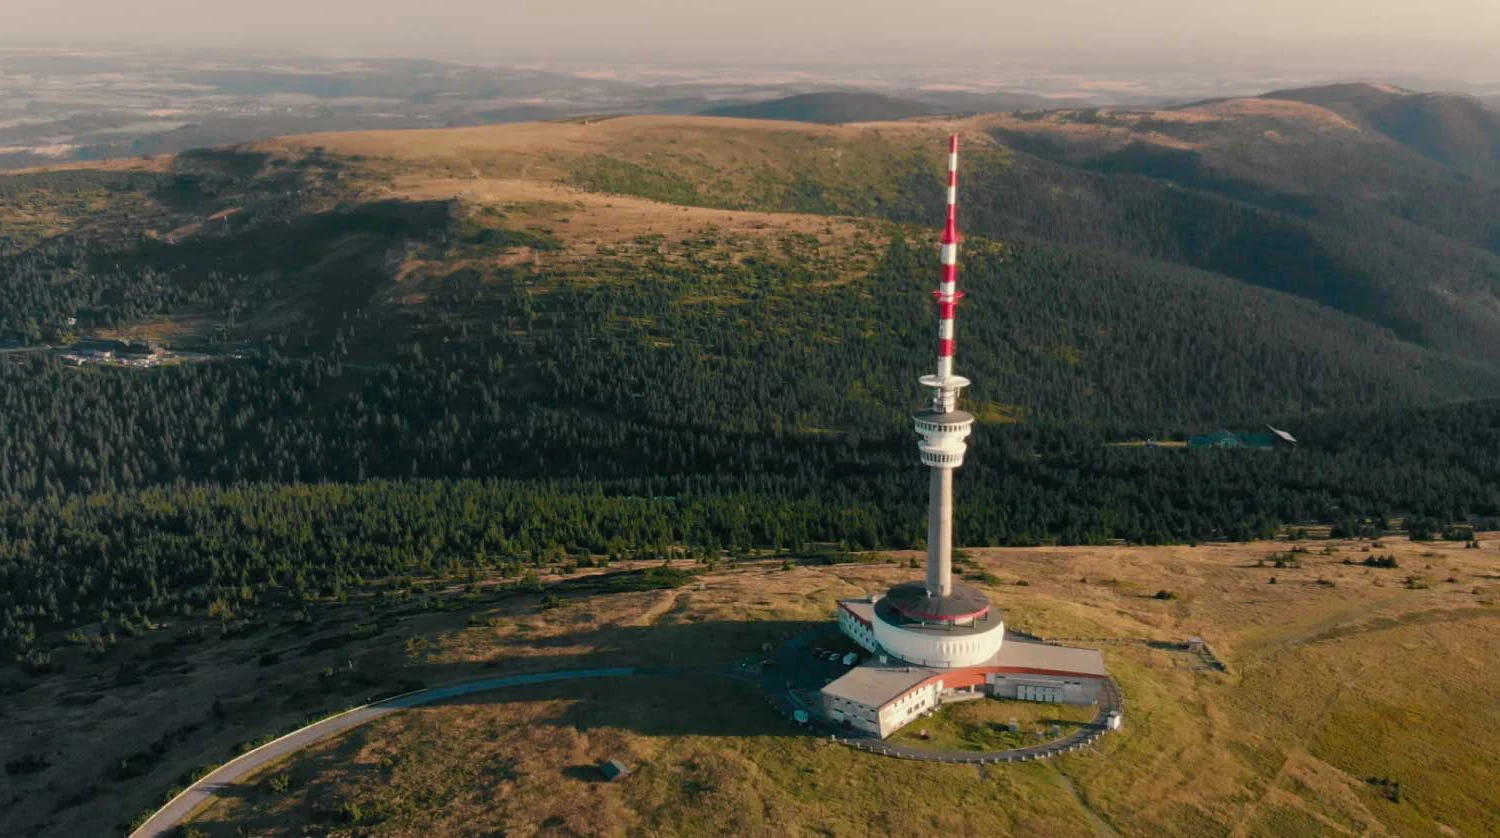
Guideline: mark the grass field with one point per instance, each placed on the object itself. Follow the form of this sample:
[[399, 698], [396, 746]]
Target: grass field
[[1328, 687], [984, 725]]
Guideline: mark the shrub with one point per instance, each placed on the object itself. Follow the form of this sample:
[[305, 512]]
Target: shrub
[[38, 662], [351, 813], [1288, 559], [530, 581], [1165, 594], [26, 764], [1458, 533]]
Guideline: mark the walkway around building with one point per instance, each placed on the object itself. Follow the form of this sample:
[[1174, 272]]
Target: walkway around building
[[780, 694], [1109, 701]]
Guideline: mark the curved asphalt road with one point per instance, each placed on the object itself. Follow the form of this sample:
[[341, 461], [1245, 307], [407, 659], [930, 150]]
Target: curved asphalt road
[[206, 789]]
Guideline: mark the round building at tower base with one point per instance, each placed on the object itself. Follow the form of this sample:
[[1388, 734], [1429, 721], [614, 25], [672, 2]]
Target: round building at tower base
[[973, 638], [915, 667]]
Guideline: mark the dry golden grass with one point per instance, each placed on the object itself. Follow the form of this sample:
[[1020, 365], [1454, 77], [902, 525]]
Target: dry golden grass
[[1327, 687], [159, 329], [1120, 130], [585, 220], [696, 161], [36, 215], [155, 163], [1283, 109], [535, 150], [983, 725], [523, 764], [595, 228]]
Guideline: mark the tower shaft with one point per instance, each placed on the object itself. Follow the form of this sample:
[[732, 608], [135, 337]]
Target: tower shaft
[[943, 426], [940, 532]]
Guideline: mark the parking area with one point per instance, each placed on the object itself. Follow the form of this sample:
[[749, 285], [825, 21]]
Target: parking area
[[807, 663]]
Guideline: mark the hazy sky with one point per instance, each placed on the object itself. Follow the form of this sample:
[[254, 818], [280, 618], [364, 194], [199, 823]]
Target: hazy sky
[[1457, 35]]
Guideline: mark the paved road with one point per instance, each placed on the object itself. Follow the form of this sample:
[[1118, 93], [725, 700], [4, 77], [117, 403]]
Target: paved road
[[207, 789]]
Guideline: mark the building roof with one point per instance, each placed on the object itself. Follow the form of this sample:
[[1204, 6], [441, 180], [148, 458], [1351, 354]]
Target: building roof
[[613, 769], [876, 684], [1031, 656], [1218, 439], [913, 601], [862, 609], [952, 417], [1283, 434], [1258, 439]]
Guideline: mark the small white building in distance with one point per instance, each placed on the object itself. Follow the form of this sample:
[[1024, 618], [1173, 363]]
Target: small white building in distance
[[883, 694]]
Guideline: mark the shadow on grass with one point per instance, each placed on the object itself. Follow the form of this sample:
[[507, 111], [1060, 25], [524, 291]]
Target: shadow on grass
[[1067, 724], [691, 678], [585, 774]]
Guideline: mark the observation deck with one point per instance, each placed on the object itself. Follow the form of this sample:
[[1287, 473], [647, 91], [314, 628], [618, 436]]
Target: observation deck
[[943, 434]]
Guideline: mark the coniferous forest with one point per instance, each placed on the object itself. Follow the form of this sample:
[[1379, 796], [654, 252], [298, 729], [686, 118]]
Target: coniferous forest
[[686, 394]]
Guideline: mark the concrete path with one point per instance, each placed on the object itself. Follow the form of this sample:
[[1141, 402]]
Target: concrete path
[[206, 790]]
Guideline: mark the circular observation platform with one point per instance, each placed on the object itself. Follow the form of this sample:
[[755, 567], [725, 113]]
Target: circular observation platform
[[952, 422], [943, 434], [915, 604], [946, 632]]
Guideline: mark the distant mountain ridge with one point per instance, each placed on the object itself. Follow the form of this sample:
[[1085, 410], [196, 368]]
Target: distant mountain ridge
[[1238, 258], [828, 108], [1456, 130]]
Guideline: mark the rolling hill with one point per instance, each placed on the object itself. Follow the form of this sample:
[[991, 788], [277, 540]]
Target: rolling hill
[[1208, 264], [829, 108], [414, 370], [685, 304], [1458, 131]]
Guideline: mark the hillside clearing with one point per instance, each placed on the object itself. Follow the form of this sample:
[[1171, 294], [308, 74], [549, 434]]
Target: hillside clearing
[[1321, 695]]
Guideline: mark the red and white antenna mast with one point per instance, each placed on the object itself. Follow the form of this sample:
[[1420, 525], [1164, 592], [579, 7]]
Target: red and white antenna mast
[[943, 426], [945, 384]]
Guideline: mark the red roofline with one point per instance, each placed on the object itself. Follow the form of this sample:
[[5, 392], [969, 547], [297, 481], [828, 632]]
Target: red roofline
[[1026, 670], [942, 618], [966, 677]]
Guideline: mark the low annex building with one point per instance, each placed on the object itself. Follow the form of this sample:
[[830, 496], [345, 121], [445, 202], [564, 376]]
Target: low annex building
[[883, 694]]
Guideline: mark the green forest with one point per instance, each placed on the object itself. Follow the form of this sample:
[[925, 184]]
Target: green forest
[[524, 418]]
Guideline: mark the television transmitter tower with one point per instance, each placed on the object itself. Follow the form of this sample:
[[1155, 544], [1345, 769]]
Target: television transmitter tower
[[943, 426]]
